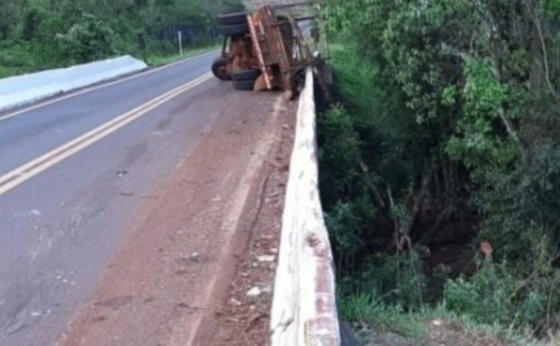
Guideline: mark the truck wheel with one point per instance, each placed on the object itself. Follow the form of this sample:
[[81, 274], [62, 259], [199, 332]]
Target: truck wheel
[[246, 85], [219, 68], [246, 75], [235, 29], [232, 18]]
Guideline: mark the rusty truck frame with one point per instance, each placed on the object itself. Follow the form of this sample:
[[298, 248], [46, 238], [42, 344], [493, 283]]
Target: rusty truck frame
[[265, 49]]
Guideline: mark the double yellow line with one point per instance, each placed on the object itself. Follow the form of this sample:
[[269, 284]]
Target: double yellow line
[[27, 171]]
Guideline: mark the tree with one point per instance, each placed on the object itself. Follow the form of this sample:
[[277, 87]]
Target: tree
[[9, 17], [88, 40], [39, 34], [478, 133]]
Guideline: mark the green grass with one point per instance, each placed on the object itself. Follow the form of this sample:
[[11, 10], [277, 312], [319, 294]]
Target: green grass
[[160, 60], [389, 319], [6, 72], [413, 326]]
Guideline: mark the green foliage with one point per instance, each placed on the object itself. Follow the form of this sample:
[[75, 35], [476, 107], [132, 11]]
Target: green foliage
[[18, 57], [359, 307], [449, 118], [42, 34], [342, 156], [482, 100], [400, 327], [396, 280], [344, 228], [90, 39], [366, 307], [344, 180], [525, 208], [492, 295], [552, 8]]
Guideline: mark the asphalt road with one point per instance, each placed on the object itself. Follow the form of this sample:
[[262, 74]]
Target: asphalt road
[[60, 224]]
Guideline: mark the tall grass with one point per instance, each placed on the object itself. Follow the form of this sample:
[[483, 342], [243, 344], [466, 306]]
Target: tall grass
[[413, 326]]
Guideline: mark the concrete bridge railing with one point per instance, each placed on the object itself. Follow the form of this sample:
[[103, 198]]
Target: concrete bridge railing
[[20, 90], [304, 309]]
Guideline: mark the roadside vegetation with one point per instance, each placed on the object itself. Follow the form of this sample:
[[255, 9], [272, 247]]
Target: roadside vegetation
[[156, 60], [440, 167], [42, 34]]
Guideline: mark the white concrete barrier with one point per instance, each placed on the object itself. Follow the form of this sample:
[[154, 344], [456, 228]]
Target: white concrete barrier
[[19, 90], [304, 309]]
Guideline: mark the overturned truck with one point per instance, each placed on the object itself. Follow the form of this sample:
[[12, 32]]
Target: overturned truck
[[264, 50]]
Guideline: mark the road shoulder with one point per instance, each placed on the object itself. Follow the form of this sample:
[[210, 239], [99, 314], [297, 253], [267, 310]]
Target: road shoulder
[[240, 315], [190, 241]]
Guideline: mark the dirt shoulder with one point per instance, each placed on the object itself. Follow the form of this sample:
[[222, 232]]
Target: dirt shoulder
[[241, 317], [208, 236]]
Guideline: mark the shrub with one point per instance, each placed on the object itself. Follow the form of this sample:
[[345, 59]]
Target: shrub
[[89, 40], [492, 295], [393, 280]]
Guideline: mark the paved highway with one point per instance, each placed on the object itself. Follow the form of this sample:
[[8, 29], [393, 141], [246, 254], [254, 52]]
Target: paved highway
[[68, 166]]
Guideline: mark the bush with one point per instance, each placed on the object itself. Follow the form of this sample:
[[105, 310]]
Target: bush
[[89, 40], [455, 115], [341, 156], [40, 35], [396, 280], [492, 295]]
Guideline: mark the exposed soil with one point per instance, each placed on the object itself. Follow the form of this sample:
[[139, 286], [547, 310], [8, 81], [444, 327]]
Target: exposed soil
[[242, 318], [182, 274]]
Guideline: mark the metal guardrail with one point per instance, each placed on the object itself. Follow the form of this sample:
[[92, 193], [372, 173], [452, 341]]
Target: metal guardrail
[[304, 309]]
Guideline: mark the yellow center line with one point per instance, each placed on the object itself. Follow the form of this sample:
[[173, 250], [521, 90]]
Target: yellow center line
[[103, 85], [27, 171]]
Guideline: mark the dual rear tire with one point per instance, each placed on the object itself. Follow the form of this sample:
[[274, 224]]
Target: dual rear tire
[[233, 24], [232, 18], [220, 69], [245, 80], [242, 80]]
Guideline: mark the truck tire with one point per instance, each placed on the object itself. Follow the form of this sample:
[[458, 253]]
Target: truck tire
[[246, 75], [246, 85], [235, 29], [219, 68], [232, 18]]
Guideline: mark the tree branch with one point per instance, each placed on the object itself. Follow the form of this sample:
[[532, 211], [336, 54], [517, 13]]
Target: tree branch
[[538, 25]]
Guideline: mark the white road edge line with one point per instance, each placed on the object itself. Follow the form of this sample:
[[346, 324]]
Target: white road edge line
[[97, 87], [27, 171]]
